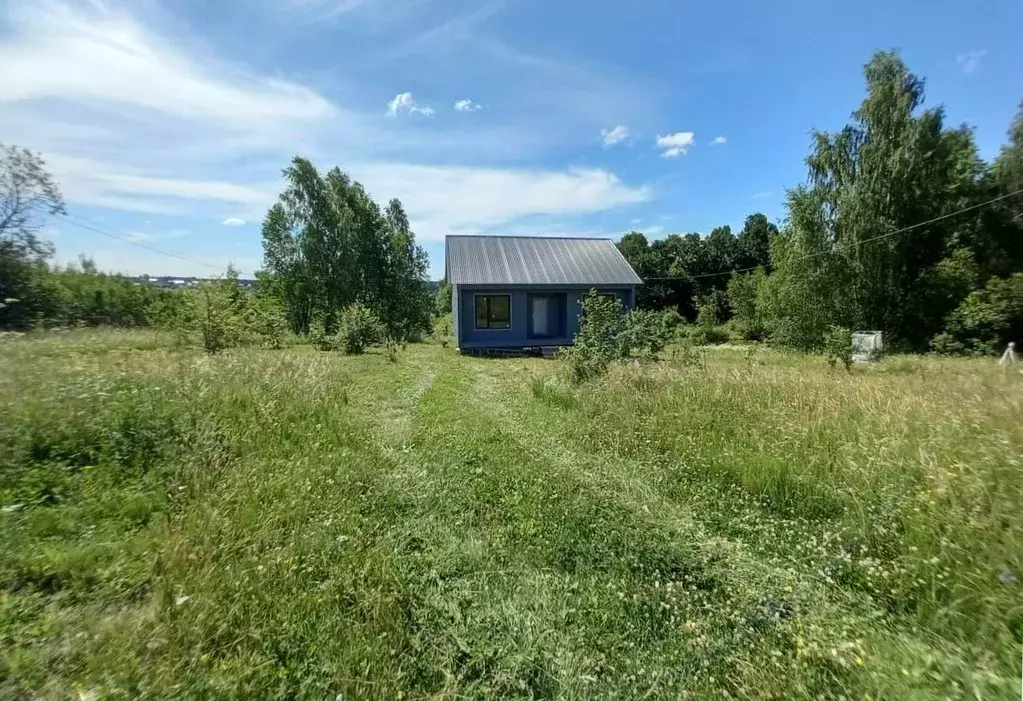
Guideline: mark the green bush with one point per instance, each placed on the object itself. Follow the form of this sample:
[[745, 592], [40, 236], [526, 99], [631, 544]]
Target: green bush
[[838, 346], [217, 310], [741, 330], [649, 331], [742, 298], [699, 335], [685, 352], [318, 336], [267, 322], [602, 337], [360, 327], [715, 335], [945, 343], [986, 320], [443, 326], [712, 309]]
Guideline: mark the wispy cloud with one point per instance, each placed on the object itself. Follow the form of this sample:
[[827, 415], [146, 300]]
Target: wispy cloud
[[233, 221], [403, 102], [969, 61], [323, 9], [136, 119], [68, 53], [614, 136], [675, 144], [105, 184], [718, 140], [446, 199], [762, 195], [467, 105]]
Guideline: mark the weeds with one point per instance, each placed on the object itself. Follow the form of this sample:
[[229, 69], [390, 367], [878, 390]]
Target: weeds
[[307, 525]]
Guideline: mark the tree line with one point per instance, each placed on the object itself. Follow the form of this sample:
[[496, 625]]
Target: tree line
[[900, 226], [337, 268]]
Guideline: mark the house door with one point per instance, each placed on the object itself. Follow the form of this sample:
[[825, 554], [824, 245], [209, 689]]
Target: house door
[[545, 315]]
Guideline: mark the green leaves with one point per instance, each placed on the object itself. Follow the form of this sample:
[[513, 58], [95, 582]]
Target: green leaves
[[855, 253], [327, 245], [601, 338]]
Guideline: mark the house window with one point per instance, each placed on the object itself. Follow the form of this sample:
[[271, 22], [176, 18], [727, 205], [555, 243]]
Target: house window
[[493, 311]]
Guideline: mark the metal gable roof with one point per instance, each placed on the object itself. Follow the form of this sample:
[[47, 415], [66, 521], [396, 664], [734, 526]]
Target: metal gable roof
[[535, 260]]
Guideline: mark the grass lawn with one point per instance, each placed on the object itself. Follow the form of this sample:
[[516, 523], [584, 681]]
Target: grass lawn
[[297, 524]]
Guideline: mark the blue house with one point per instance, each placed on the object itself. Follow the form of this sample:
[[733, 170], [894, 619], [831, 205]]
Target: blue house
[[514, 292]]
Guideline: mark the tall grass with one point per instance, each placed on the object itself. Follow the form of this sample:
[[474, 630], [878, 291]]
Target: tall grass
[[294, 524]]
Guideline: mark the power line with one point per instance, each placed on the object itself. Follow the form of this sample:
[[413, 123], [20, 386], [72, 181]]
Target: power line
[[854, 243], [88, 225]]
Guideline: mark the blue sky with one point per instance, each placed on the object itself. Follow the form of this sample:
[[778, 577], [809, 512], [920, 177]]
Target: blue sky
[[167, 122]]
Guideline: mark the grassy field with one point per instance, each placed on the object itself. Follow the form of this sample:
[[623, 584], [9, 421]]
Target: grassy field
[[296, 524]]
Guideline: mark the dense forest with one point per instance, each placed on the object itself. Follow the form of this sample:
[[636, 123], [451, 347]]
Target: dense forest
[[900, 227]]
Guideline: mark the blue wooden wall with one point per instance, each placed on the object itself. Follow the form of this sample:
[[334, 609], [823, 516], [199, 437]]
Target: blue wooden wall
[[517, 335]]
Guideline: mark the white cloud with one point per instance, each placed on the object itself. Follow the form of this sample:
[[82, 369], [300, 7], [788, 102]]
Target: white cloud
[[449, 199], [970, 60], [762, 195], [134, 119], [403, 102], [233, 221], [101, 184], [718, 140], [675, 144], [467, 105], [614, 136], [65, 53]]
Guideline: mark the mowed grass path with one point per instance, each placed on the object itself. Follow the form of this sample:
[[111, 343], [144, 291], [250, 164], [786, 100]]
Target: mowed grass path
[[296, 524]]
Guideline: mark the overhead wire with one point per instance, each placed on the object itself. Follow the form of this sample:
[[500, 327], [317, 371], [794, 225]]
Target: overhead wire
[[89, 225], [851, 244]]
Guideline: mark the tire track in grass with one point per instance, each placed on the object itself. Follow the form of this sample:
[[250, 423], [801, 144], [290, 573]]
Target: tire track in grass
[[712, 602], [845, 620]]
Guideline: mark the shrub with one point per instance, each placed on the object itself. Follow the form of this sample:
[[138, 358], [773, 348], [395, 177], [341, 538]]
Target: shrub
[[714, 335], [218, 310], [319, 338], [712, 309], [443, 326], [360, 327], [742, 297], [746, 330], [602, 337], [267, 322], [838, 346], [698, 335], [650, 331], [986, 320], [685, 352], [945, 343]]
